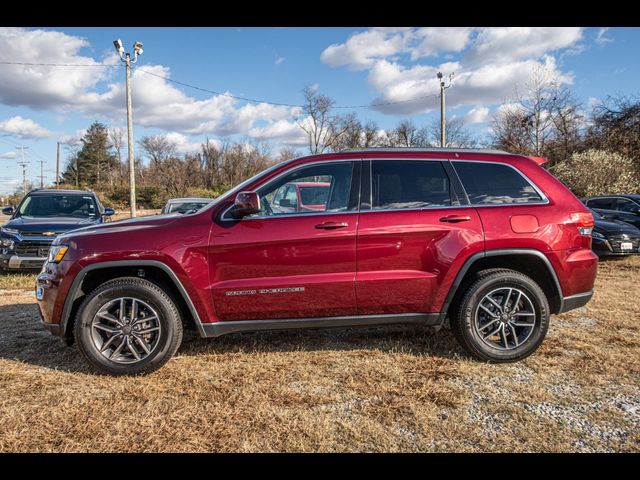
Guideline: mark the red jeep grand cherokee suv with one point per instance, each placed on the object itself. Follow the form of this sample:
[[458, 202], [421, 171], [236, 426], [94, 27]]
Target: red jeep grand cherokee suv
[[489, 239]]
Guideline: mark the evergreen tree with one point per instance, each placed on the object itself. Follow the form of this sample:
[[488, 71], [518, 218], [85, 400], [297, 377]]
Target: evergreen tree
[[94, 163]]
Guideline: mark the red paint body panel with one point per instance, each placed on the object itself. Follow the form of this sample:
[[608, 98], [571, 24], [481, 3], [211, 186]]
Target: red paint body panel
[[286, 252], [381, 262], [406, 258]]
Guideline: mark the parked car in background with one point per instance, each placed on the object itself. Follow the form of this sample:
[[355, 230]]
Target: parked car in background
[[182, 205], [616, 207], [41, 216], [298, 197], [488, 239], [614, 237]]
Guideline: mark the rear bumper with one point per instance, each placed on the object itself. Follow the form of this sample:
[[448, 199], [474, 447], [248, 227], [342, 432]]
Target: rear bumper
[[575, 301]]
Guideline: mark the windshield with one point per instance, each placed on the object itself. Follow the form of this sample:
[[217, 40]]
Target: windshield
[[57, 205], [185, 207]]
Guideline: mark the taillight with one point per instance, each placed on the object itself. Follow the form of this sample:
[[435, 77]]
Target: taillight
[[584, 222]]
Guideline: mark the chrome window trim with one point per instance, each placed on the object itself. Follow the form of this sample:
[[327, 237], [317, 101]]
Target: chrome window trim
[[224, 218], [545, 199]]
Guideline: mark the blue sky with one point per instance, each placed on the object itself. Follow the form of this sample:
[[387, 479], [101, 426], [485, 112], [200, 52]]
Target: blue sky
[[356, 66]]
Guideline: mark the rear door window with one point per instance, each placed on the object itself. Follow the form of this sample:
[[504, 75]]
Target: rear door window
[[400, 184], [495, 183]]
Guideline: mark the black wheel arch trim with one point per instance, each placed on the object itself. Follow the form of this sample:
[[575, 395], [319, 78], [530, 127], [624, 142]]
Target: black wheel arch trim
[[494, 253], [77, 281]]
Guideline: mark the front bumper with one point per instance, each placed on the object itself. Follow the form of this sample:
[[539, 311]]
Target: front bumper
[[50, 292], [16, 262]]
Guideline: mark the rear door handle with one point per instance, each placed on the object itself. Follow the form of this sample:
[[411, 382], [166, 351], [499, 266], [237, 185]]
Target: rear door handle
[[331, 225], [455, 218]]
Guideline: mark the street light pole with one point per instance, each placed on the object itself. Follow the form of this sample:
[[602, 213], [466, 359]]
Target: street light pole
[[126, 58]]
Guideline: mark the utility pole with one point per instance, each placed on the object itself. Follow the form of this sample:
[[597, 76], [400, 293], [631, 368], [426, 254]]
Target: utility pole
[[58, 167], [126, 58], [41, 162], [443, 135], [23, 164]]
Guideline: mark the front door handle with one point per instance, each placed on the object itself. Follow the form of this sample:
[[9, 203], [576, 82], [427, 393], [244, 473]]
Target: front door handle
[[331, 225], [455, 218]]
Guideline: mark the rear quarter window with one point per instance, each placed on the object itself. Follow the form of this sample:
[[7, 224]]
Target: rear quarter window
[[495, 184]]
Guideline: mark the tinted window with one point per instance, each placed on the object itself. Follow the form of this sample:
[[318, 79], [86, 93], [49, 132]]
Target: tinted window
[[493, 183], [314, 195], [334, 177], [604, 203], [409, 184], [625, 205]]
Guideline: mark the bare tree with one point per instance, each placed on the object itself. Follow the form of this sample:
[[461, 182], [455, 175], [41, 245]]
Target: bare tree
[[116, 138], [406, 134], [355, 134], [542, 119], [457, 134], [323, 128], [158, 148]]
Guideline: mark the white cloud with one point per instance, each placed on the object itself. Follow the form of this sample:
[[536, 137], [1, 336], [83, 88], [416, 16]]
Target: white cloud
[[601, 39], [24, 128], [182, 143], [362, 49], [279, 60], [477, 115], [511, 43], [490, 63], [100, 91], [288, 133], [434, 40], [74, 138], [9, 155]]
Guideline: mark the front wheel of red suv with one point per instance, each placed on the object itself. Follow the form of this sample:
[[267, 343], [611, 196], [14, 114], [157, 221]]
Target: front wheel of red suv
[[502, 316], [128, 326]]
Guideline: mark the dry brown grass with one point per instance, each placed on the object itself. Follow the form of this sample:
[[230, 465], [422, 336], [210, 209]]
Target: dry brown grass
[[378, 389]]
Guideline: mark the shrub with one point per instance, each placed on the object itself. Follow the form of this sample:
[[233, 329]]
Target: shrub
[[598, 172]]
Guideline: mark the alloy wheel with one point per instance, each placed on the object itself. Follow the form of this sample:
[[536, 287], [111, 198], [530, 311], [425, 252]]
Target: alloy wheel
[[505, 318], [125, 330]]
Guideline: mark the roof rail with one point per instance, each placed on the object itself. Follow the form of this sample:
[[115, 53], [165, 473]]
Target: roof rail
[[426, 149]]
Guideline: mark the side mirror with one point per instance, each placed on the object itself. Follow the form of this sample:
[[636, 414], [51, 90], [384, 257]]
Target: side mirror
[[247, 203], [7, 211], [108, 212]]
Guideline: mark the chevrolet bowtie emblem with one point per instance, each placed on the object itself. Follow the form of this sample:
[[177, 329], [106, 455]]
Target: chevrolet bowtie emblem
[[48, 234]]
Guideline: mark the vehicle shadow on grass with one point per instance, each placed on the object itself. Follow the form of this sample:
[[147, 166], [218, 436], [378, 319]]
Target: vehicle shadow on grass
[[23, 339]]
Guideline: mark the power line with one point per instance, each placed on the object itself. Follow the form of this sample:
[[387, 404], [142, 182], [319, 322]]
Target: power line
[[223, 94], [33, 64], [253, 100]]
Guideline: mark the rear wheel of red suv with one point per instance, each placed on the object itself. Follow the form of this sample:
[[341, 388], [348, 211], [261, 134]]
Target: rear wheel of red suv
[[502, 316], [128, 326]]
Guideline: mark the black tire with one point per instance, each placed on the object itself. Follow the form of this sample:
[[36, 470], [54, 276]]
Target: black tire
[[463, 316], [170, 322]]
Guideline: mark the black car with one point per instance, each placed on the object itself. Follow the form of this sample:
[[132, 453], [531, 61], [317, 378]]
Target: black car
[[616, 207], [613, 237], [41, 216]]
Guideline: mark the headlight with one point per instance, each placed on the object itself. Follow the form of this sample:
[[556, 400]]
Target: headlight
[[6, 242], [56, 253], [597, 235], [10, 231]]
